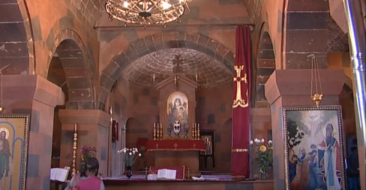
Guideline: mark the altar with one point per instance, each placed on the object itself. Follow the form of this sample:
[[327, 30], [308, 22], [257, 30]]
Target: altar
[[176, 153]]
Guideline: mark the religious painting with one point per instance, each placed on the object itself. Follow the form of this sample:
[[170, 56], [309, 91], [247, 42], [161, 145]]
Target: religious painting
[[207, 158], [208, 144], [314, 148], [13, 151], [177, 112]]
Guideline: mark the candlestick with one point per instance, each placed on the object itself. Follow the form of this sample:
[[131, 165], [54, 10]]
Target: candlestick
[[74, 150], [161, 131], [154, 132], [198, 132], [193, 131]]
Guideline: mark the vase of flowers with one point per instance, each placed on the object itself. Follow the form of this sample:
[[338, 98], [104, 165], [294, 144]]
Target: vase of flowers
[[129, 156], [86, 153], [263, 155]]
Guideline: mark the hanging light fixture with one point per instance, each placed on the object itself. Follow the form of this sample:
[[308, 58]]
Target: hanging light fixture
[[316, 90], [147, 12]]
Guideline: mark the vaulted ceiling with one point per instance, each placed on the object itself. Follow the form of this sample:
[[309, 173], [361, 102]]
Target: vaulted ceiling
[[203, 12], [195, 65]]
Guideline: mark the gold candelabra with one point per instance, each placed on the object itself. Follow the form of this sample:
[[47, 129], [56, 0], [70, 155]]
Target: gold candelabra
[[154, 132], [158, 131], [193, 131], [74, 150], [196, 131], [161, 131]]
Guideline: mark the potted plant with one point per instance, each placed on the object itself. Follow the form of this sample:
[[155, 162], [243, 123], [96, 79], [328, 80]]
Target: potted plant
[[263, 155], [129, 156]]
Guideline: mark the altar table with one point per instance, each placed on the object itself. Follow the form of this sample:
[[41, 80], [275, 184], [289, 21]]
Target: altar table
[[174, 153]]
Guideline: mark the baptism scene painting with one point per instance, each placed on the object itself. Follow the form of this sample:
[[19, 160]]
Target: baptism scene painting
[[13, 151], [314, 156], [177, 111]]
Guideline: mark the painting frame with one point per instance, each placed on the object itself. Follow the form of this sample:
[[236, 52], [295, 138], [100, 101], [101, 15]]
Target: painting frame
[[327, 116], [210, 134], [19, 123]]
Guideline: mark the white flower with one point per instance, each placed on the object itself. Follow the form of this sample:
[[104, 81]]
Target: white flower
[[262, 140], [269, 142], [130, 153], [124, 150], [256, 140], [250, 142], [139, 154]]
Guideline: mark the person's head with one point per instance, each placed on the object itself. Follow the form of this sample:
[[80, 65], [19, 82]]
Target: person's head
[[329, 130], [3, 134], [91, 166], [177, 102], [302, 152], [313, 153]]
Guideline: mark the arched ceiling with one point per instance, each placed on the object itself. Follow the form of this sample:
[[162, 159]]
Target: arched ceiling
[[210, 72]]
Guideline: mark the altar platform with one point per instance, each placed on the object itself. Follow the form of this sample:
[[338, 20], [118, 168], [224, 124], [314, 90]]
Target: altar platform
[[211, 182], [176, 153]]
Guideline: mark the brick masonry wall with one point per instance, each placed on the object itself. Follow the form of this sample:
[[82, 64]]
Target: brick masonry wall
[[214, 113], [118, 101]]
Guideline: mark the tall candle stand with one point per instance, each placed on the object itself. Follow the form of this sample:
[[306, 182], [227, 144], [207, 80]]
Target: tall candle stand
[[198, 132], [161, 131], [194, 131], [74, 150], [154, 132]]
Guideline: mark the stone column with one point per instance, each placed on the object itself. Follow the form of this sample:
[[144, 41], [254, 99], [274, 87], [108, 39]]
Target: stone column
[[291, 88], [93, 131], [34, 95]]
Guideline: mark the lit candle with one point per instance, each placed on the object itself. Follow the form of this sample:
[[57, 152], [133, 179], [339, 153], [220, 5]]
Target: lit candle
[[76, 126], [198, 126], [154, 125]]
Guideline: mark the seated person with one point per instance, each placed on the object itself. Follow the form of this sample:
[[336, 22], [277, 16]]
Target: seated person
[[87, 180]]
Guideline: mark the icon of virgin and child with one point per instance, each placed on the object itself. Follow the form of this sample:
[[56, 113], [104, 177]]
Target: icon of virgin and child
[[318, 167], [177, 112]]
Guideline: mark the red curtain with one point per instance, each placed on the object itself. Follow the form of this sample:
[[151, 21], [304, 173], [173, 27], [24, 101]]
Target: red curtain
[[241, 104]]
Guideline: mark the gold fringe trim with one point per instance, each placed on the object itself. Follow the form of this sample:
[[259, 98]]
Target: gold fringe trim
[[239, 150]]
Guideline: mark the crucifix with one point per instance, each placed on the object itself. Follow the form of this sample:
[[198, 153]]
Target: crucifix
[[177, 61], [239, 101]]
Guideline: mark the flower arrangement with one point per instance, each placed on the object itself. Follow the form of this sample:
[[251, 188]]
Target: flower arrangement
[[129, 155], [263, 155], [87, 152]]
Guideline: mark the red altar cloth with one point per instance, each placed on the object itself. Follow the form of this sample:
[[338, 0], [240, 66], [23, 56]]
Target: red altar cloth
[[176, 145]]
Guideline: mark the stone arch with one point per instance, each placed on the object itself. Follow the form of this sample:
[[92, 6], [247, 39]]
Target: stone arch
[[264, 67], [16, 39], [159, 41], [78, 69]]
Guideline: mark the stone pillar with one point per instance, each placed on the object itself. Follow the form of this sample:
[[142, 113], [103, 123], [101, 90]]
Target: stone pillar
[[291, 88], [34, 95], [93, 131], [306, 32]]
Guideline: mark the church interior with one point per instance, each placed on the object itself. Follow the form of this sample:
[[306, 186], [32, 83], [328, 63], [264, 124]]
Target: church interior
[[85, 78]]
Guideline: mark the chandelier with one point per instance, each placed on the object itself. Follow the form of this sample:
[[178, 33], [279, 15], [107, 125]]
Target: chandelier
[[146, 12]]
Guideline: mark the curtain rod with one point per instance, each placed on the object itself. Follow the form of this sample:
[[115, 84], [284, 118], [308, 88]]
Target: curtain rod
[[170, 26]]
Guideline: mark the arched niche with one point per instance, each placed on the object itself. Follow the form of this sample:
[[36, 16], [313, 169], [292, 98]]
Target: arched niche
[[177, 87]]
